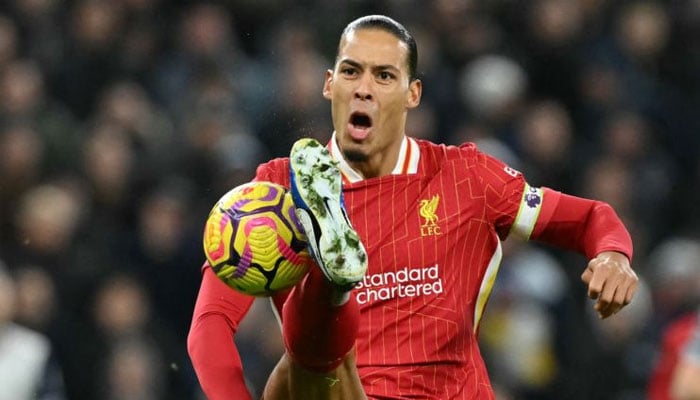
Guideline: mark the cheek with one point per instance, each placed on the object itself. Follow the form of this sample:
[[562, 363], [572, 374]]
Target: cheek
[[338, 98], [393, 98], [395, 109]]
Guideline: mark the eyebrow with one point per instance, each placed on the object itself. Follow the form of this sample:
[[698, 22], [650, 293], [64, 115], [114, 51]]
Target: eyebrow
[[358, 65]]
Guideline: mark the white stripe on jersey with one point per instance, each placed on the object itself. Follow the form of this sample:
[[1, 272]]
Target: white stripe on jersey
[[530, 207], [409, 154], [487, 284]]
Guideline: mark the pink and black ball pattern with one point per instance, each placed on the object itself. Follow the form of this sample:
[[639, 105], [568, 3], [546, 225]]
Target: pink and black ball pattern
[[253, 240]]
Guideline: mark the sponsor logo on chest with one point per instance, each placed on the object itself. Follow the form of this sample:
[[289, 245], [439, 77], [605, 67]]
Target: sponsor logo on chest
[[402, 283]]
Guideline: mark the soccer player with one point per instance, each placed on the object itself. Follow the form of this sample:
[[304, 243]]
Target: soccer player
[[676, 375], [397, 315], [685, 384]]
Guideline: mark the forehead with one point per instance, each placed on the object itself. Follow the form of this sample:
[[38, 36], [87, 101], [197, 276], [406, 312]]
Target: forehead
[[373, 47]]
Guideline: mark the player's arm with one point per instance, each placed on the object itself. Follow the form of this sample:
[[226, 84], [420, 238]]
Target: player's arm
[[210, 344], [587, 226], [591, 228]]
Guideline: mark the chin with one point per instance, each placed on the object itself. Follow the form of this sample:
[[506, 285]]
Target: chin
[[355, 155]]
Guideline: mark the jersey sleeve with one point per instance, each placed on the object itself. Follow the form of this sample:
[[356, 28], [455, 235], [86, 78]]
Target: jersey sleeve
[[527, 212], [586, 226], [504, 190], [210, 344], [275, 171]]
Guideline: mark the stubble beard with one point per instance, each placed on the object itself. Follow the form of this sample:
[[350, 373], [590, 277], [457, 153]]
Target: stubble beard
[[355, 156]]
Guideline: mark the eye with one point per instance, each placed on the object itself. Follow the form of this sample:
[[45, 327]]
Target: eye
[[385, 75], [348, 71]]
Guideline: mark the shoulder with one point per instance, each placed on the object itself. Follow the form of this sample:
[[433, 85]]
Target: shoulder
[[436, 156], [438, 153], [29, 343], [275, 170], [441, 149]]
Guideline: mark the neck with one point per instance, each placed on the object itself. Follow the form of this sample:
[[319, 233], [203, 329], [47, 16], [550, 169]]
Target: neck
[[379, 163]]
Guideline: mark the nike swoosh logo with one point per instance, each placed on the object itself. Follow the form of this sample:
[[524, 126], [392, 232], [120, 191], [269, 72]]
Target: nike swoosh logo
[[326, 203]]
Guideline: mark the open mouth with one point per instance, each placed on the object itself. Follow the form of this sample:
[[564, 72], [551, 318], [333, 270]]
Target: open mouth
[[360, 120]]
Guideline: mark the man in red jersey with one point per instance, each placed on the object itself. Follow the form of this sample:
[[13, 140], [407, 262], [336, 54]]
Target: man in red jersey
[[676, 375], [404, 322], [685, 384]]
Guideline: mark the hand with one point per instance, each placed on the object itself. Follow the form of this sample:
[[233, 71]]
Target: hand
[[611, 281]]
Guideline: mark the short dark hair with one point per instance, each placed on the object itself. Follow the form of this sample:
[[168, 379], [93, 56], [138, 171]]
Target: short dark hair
[[389, 25]]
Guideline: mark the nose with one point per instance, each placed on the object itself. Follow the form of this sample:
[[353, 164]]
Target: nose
[[364, 88]]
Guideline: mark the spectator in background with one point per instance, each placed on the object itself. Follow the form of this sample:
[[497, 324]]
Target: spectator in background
[[675, 276], [493, 89], [37, 300], [549, 35], [45, 229], [218, 153], [296, 110], [531, 297], [165, 244], [685, 382], [41, 31], [545, 139], [21, 156], [675, 373], [111, 173], [93, 34], [134, 370], [9, 40], [27, 367], [619, 350], [628, 139], [207, 57], [127, 105], [637, 54], [143, 38], [24, 99], [135, 354]]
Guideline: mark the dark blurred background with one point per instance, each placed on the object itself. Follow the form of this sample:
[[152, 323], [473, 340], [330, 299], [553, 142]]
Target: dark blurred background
[[123, 121]]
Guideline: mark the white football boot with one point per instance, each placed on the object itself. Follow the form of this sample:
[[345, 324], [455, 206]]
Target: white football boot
[[316, 187]]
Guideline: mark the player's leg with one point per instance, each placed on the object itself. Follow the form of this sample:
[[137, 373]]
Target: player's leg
[[291, 382], [321, 317], [319, 338]]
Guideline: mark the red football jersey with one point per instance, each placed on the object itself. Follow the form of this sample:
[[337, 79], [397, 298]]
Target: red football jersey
[[433, 232]]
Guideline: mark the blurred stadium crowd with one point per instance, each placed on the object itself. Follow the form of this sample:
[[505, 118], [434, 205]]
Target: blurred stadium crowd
[[123, 121]]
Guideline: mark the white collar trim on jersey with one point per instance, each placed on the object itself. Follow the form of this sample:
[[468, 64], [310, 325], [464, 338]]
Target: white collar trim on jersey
[[407, 163]]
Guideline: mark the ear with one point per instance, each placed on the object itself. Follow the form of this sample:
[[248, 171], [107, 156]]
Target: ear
[[415, 90], [327, 84]]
